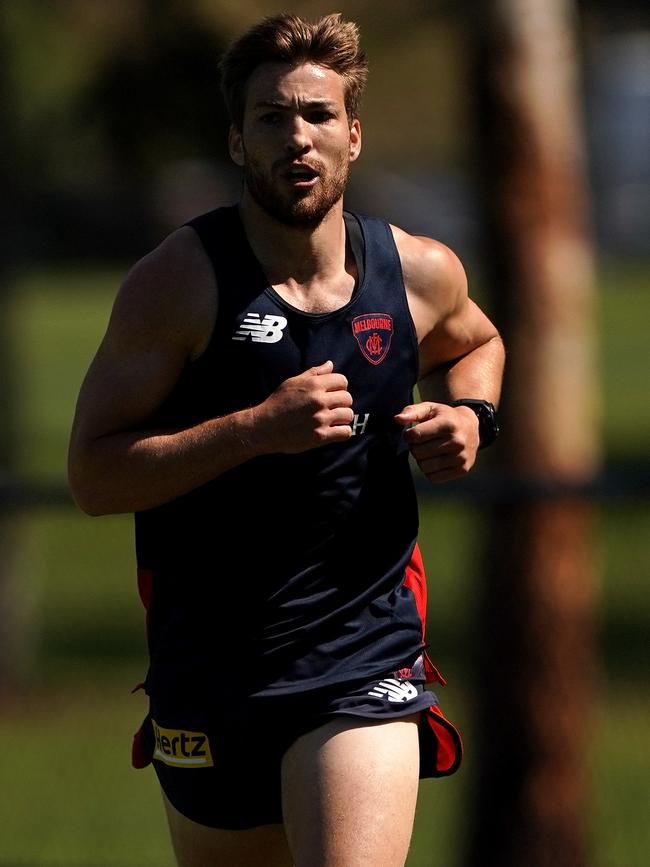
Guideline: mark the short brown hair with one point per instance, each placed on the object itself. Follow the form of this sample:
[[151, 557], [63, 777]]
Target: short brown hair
[[287, 38]]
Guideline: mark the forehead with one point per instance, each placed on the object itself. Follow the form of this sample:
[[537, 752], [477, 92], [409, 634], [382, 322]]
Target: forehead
[[294, 84]]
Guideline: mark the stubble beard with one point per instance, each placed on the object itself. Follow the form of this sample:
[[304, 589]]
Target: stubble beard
[[297, 208]]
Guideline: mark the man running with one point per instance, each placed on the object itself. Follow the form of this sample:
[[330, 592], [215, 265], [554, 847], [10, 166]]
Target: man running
[[252, 403]]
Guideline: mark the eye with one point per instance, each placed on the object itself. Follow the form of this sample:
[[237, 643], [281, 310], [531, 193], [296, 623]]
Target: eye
[[320, 116], [270, 118]]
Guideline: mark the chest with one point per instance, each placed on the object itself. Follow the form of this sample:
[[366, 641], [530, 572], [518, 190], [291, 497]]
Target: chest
[[260, 339], [264, 342]]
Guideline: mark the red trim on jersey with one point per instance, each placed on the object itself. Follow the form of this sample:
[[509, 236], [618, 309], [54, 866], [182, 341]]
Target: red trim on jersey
[[415, 580]]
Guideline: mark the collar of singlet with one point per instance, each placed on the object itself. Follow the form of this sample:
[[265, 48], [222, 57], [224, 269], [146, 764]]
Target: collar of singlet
[[357, 244]]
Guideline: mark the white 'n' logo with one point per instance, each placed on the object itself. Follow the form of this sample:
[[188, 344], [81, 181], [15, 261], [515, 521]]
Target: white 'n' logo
[[394, 690], [267, 330]]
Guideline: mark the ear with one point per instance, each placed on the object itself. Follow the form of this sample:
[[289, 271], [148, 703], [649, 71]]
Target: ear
[[355, 139], [236, 145]]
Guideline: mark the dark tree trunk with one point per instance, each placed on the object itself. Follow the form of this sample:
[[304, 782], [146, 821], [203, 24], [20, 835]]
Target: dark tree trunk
[[536, 641]]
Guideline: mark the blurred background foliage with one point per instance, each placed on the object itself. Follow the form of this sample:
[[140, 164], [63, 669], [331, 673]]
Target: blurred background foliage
[[113, 134]]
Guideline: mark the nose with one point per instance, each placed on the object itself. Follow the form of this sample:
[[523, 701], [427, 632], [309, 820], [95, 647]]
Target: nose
[[299, 136]]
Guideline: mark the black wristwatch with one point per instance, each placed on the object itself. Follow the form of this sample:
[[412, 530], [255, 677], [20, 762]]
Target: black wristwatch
[[488, 426]]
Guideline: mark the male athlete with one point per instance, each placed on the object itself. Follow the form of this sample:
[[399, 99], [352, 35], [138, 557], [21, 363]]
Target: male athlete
[[252, 403]]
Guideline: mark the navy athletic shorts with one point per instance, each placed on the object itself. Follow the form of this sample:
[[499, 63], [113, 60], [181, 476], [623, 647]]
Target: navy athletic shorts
[[221, 768]]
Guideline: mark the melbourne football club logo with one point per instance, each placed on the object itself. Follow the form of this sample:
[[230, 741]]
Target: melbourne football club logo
[[374, 333]]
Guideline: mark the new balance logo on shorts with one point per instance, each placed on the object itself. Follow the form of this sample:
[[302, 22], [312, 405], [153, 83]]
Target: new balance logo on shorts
[[267, 330], [394, 690], [181, 748]]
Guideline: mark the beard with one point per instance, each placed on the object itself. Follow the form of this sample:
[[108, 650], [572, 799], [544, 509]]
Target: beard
[[297, 208]]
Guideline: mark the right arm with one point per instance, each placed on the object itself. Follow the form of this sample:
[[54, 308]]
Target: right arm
[[162, 319]]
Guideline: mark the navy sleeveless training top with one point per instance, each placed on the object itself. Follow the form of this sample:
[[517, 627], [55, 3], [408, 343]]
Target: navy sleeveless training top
[[290, 568]]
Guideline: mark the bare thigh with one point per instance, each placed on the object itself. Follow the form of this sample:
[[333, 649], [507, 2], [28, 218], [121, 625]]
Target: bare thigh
[[349, 790], [199, 846]]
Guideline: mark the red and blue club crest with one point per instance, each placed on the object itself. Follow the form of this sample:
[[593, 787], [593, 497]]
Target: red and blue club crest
[[374, 333]]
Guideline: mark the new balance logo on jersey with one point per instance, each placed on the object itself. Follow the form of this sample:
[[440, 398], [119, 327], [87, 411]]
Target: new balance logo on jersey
[[394, 690], [267, 330]]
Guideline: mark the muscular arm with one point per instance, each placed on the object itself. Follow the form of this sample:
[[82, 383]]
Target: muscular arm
[[162, 320], [461, 356]]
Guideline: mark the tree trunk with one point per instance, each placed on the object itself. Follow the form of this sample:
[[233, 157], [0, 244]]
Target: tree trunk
[[537, 620]]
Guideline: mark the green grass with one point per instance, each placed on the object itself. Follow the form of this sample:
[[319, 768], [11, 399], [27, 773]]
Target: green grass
[[619, 774], [624, 311], [73, 799], [82, 571], [58, 319]]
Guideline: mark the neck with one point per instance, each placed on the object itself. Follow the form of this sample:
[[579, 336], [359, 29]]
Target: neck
[[295, 253]]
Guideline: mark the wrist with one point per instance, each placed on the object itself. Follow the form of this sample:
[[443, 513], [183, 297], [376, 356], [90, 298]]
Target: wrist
[[488, 426], [471, 417], [249, 431]]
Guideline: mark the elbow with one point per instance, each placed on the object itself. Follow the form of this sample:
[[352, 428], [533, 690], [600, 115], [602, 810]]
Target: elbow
[[88, 480], [87, 492], [87, 499], [88, 507]]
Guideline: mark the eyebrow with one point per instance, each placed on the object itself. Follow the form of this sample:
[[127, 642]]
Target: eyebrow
[[309, 103]]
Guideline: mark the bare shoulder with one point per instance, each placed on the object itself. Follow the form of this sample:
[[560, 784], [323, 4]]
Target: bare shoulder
[[170, 292], [431, 270], [162, 317], [449, 324], [434, 277]]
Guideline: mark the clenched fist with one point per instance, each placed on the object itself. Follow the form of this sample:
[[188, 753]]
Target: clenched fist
[[306, 411], [443, 439]]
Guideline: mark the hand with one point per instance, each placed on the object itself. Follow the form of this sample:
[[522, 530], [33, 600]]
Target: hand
[[443, 439], [306, 411]]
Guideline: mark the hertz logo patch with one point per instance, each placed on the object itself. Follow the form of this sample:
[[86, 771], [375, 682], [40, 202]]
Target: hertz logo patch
[[182, 748]]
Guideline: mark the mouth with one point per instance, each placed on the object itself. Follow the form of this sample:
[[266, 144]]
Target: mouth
[[301, 176]]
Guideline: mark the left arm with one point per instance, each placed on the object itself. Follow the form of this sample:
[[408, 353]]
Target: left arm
[[461, 356]]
